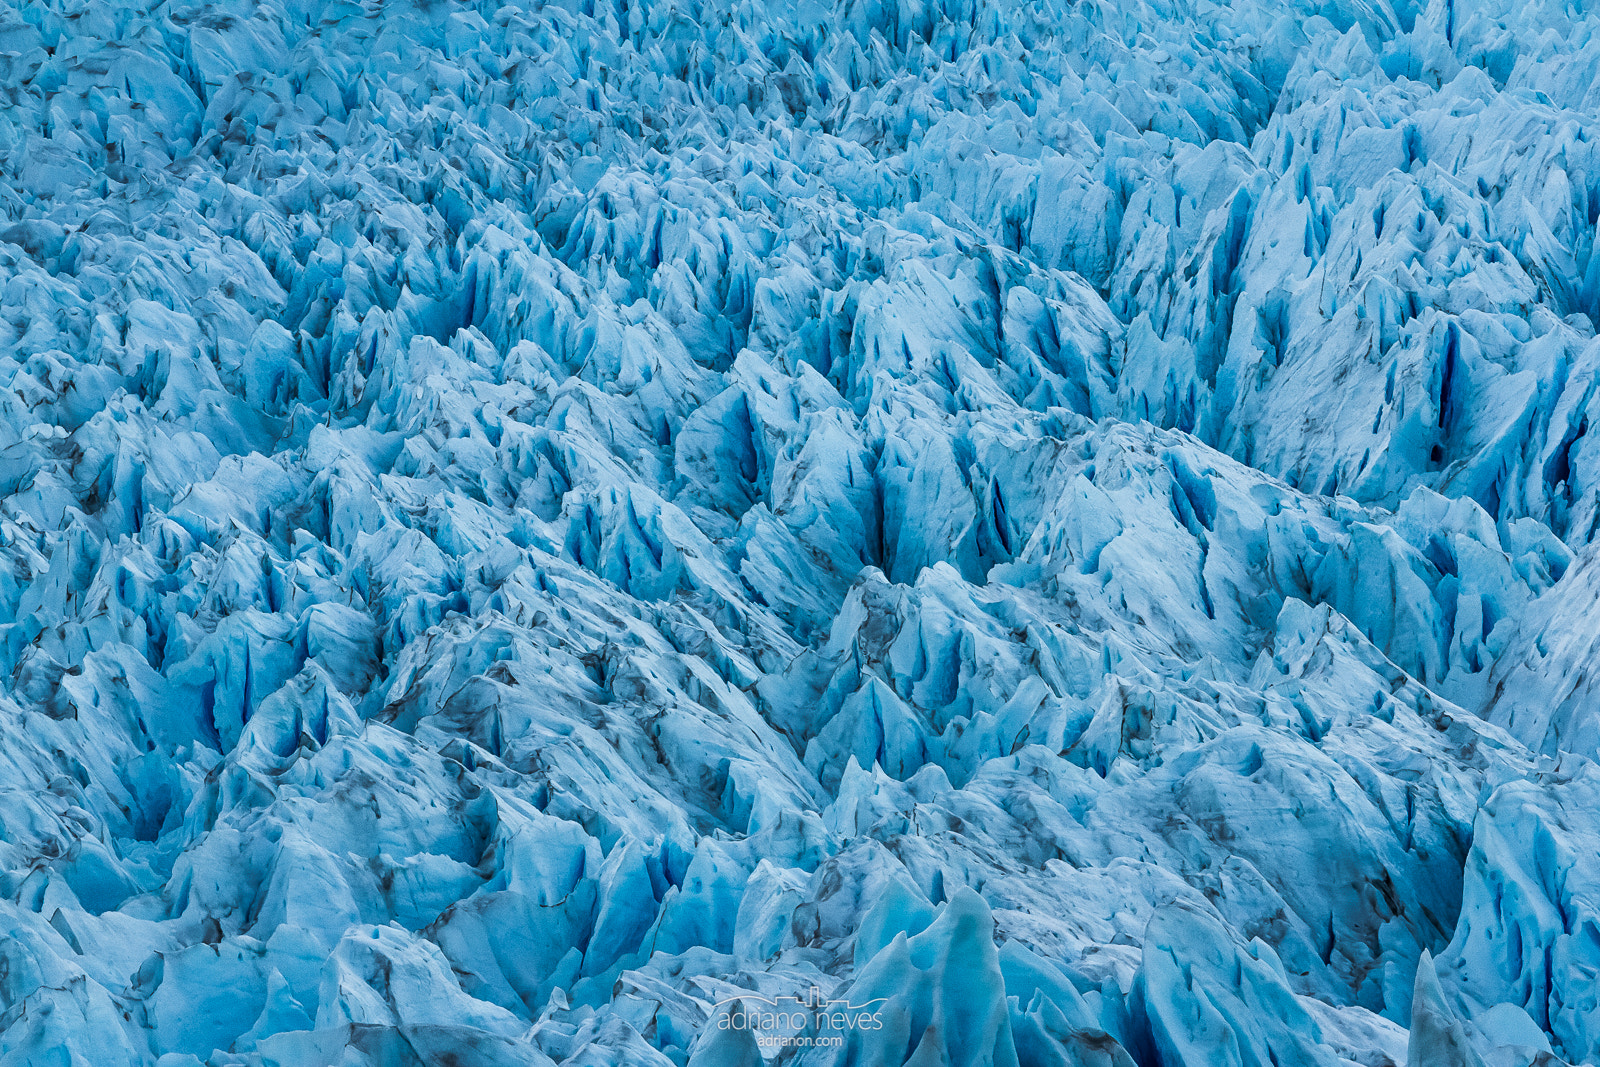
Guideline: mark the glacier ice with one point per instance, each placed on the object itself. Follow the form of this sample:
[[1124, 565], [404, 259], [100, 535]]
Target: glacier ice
[[1071, 524]]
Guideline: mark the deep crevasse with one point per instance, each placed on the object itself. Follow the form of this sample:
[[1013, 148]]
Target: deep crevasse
[[1071, 523]]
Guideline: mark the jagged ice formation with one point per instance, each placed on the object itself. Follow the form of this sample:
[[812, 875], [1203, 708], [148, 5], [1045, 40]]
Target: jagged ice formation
[[1073, 523]]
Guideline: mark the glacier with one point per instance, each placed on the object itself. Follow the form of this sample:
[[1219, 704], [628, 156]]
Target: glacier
[[1058, 533]]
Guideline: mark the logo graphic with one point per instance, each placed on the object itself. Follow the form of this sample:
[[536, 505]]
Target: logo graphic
[[789, 1022]]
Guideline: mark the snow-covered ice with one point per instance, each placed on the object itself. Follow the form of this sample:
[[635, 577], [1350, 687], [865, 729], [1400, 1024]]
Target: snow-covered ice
[[1072, 524]]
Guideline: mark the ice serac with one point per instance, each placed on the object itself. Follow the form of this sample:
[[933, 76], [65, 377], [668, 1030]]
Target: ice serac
[[1542, 683], [526, 524], [1207, 998], [938, 996], [1529, 920], [1437, 1036]]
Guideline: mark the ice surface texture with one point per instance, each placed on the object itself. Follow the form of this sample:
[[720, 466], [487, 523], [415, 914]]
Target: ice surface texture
[[1070, 522]]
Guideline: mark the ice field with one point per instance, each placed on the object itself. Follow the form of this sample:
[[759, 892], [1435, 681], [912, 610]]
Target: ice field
[[1059, 534]]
